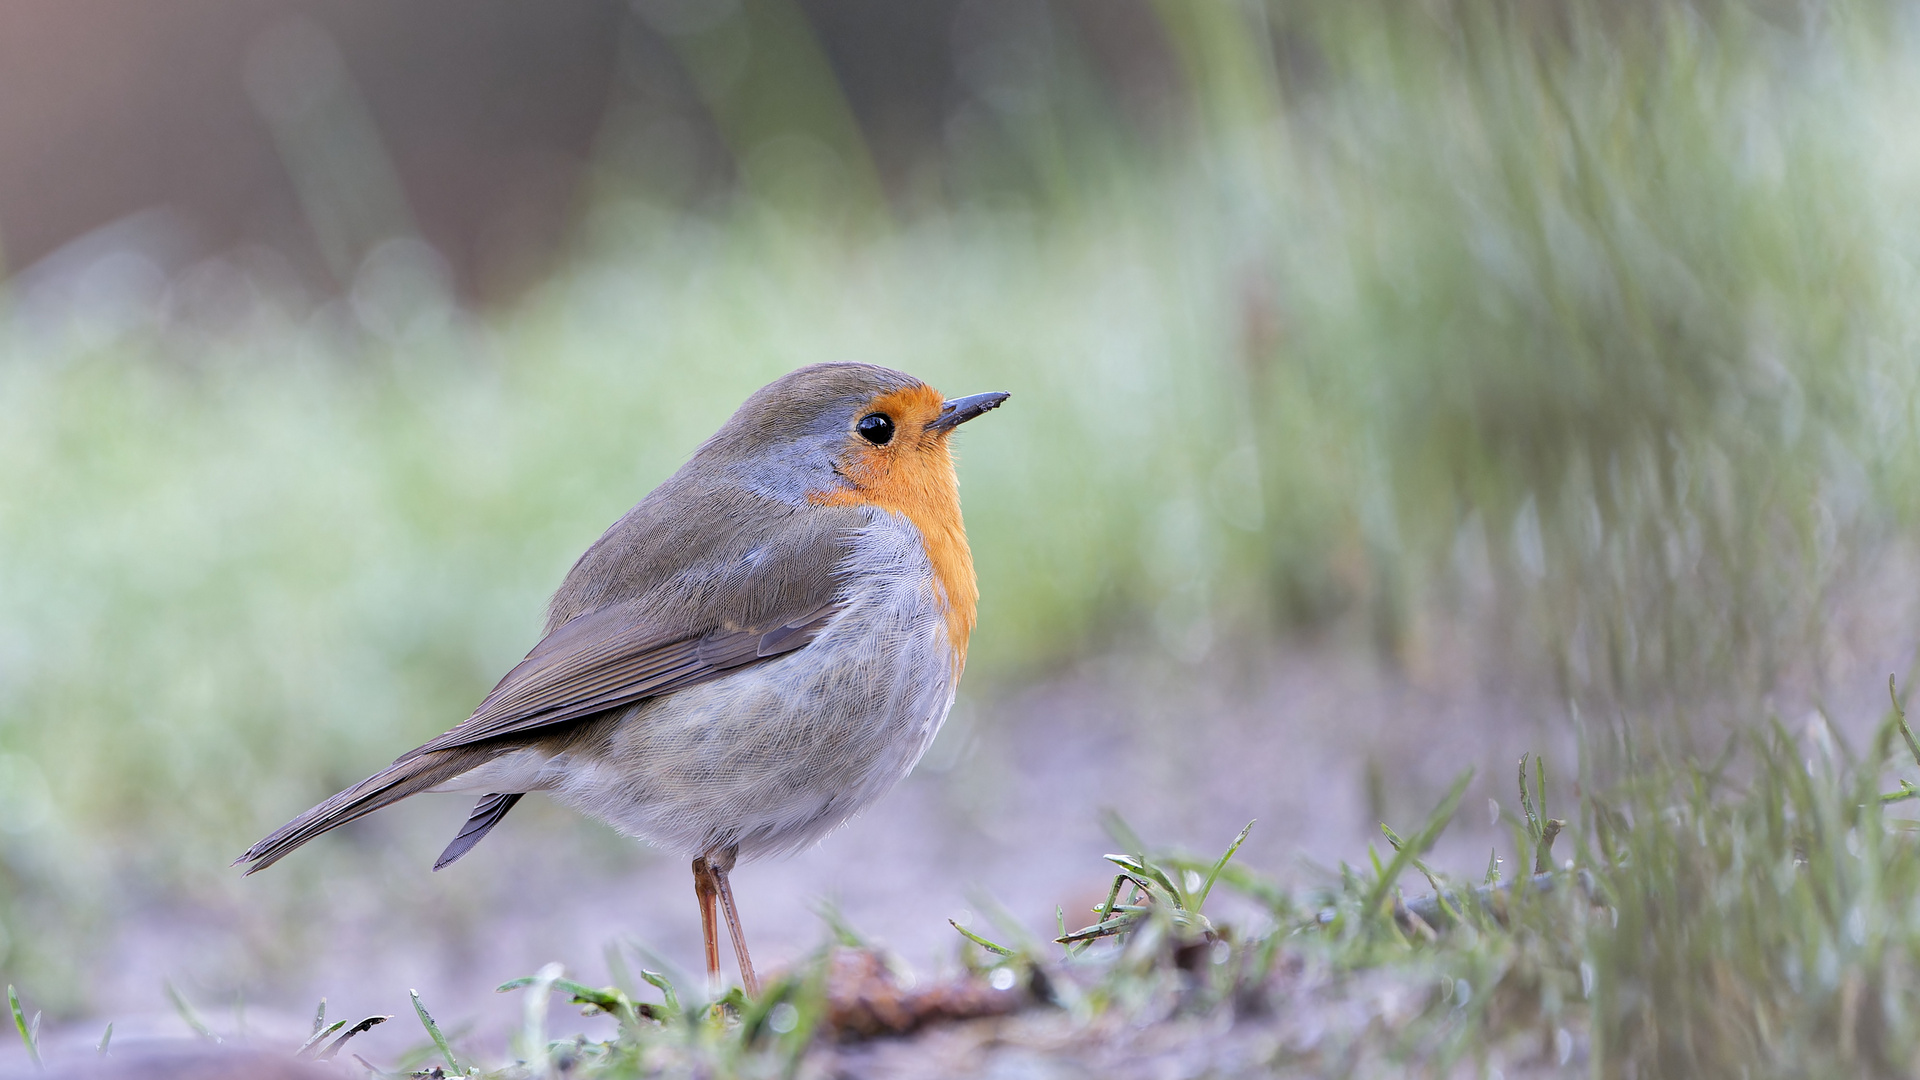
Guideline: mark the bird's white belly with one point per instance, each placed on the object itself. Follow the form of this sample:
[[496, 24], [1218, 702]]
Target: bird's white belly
[[774, 756]]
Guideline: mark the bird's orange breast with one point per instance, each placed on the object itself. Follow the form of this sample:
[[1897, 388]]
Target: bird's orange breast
[[914, 476]]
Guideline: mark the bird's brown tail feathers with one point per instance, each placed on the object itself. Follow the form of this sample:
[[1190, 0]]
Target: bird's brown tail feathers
[[408, 776]]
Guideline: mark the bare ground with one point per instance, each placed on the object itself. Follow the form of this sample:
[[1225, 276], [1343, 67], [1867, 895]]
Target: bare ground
[[1316, 742]]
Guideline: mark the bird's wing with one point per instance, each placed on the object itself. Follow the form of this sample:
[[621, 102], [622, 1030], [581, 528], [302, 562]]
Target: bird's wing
[[667, 599], [616, 663], [770, 600]]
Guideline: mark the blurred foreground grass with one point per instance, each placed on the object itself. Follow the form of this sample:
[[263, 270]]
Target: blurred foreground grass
[[1751, 918], [1748, 917], [1586, 335]]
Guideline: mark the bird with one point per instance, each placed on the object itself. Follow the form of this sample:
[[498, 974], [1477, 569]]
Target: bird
[[761, 648]]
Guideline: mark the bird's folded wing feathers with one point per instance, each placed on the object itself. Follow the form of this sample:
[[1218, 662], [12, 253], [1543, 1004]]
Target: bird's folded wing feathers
[[617, 671], [624, 653]]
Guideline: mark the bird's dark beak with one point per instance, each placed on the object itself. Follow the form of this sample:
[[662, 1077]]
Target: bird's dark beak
[[960, 410]]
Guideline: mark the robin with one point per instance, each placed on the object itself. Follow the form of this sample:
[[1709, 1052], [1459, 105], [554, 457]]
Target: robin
[[761, 648]]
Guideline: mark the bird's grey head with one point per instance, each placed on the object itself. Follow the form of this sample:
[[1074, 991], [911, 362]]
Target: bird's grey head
[[810, 429]]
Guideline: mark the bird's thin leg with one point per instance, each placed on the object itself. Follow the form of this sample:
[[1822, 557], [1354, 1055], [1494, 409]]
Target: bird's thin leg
[[721, 862], [707, 888]]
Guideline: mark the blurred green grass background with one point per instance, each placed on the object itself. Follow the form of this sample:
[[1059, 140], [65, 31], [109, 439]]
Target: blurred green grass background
[[1574, 338]]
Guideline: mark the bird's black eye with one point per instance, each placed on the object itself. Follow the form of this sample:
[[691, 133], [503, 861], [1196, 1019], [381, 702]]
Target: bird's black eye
[[876, 428]]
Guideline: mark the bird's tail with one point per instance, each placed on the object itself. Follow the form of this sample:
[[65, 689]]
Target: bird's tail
[[408, 776]]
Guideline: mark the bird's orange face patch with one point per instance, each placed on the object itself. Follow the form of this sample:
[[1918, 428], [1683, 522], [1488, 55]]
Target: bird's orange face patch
[[911, 473]]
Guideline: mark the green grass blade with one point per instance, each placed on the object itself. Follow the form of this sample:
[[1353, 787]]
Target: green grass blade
[[1540, 785], [533, 1023], [1422, 841], [27, 1031], [433, 1031], [1145, 872], [663, 984], [188, 1013], [583, 994], [1900, 717], [106, 1040], [1214, 874], [980, 941], [318, 1037], [843, 931], [1543, 851], [1122, 833], [660, 973], [1526, 804], [1393, 838]]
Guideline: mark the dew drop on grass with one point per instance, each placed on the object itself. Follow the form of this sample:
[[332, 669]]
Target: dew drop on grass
[[1857, 926], [1221, 950], [1493, 811], [1192, 880], [1563, 1045], [784, 1017], [1462, 992], [1586, 980], [1001, 979]]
